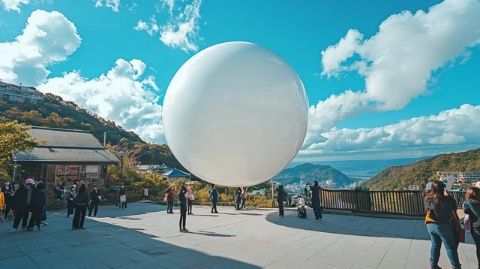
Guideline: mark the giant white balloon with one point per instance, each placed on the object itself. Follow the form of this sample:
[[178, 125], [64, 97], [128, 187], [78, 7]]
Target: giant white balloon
[[235, 114]]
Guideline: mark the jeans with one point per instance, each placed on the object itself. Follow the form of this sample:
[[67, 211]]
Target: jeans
[[280, 208], [189, 207], [183, 217], [214, 207], [442, 233], [170, 206], [476, 238]]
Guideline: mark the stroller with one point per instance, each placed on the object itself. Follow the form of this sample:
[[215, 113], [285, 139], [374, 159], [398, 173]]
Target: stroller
[[301, 210]]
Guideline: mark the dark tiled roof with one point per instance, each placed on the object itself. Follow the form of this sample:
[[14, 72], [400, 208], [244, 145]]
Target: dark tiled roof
[[49, 137], [65, 146], [175, 173], [65, 155]]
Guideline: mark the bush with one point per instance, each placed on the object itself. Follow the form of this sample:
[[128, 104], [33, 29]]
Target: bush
[[54, 204]]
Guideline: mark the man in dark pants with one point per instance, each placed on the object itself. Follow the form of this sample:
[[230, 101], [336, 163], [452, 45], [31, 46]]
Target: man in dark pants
[[37, 204], [315, 189], [182, 202], [8, 192], [214, 198], [19, 205], [94, 201], [280, 199]]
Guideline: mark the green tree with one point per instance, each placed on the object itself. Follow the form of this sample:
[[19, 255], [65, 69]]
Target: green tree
[[13, 137]]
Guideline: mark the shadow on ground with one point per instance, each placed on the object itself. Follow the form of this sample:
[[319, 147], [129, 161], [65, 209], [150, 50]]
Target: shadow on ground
[[355, 225], [101, 245]]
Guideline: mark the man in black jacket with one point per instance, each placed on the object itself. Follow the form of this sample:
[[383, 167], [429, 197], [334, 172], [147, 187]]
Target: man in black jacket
[[315, 189], [37, 204], [94, 202], [182, 202], [19, 205]]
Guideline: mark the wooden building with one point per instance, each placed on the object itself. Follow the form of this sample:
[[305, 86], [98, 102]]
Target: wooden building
[[64, 156]]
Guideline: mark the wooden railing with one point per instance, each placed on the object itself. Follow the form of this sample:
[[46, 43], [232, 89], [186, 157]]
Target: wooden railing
[[409, 203]]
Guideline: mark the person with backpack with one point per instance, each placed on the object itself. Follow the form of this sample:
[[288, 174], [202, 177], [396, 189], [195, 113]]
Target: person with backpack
[[213, 193], [80, 208], [280, 198], [441, 208], [182, 202], [471, 207], [37, 205], [94, 202], [315, 189], [71, 197]]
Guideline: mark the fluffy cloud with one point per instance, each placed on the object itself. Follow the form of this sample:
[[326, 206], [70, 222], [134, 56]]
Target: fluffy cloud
[[150, 27], [180, 30], [113, 4], [13, 5], [124, 95], [450, 129], [47, 38], [397, 62]]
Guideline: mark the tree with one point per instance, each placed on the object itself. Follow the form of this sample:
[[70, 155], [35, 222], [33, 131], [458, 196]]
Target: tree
[[13, 137]]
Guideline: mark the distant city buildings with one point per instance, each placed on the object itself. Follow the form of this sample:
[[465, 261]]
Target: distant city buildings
[[20, 94]]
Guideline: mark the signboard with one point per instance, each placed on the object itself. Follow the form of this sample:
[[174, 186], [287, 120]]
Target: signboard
[[90, 169]]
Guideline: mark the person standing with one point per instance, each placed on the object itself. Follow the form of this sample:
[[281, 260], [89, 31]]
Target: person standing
[[244, 198], [471, 207], [182, 202], [190, 199], [19, 205], [30, 185], [440, 209], [280, 199], [238, 198], [169, 199], [37, 205], [315, 189], [145, 193], [71, 197], [80, 208], [94, 202], [8, 192], [122, 195], [2, 203], [214, 198]]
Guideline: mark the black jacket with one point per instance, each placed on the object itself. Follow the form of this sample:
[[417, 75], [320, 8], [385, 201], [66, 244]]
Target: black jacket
[[82, 198], [20, 198], [182, 199], [315, 194], [38, 199], [94, 197]]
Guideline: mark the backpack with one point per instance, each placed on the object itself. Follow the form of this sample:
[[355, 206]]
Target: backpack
[[302, 212]]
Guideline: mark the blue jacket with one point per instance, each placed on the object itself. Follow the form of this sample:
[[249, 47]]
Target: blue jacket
[[213, 195]]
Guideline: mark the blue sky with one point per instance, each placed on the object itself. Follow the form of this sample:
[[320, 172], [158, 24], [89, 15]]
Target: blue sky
[[102, 37]]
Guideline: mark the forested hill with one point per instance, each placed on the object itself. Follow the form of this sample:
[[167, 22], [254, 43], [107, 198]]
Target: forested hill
[[398, 177], [53, 111]]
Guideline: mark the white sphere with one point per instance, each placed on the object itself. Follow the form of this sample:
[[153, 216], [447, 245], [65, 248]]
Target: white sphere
[[235, 114]]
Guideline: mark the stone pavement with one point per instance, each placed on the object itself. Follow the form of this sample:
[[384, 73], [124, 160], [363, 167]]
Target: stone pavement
[[144, 236]]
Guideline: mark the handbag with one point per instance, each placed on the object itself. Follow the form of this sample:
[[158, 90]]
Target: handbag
[[10, 215], [467, 224], [458, 230], [123, 198]]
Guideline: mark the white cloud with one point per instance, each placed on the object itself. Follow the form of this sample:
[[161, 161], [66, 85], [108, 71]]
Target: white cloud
[[455, 128], [181, 28], [397, 62], [181, 31], [124, 95], [113, 4], [13, 5], [150, 27], [47, 38]]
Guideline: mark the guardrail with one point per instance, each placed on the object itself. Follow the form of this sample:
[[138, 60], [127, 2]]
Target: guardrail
[[409, 203]]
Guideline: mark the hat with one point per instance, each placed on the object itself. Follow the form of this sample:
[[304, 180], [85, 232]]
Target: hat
[[29, 181]]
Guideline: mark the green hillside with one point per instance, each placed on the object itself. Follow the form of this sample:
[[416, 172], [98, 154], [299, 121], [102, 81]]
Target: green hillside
[[398, 177], [53, 111]]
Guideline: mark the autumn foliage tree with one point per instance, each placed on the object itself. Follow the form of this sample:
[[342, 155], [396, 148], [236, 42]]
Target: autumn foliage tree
[[13, 137]]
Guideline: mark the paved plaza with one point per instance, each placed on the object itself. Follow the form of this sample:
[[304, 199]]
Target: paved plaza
[[144, 236]]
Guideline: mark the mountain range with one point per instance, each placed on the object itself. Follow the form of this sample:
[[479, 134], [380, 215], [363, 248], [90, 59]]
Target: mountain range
[[325, 175]]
